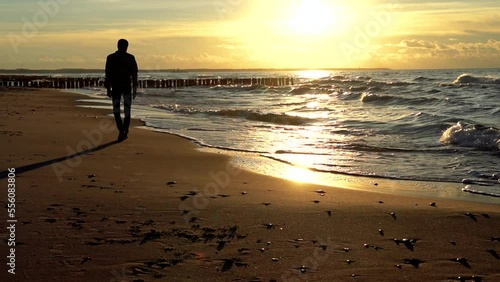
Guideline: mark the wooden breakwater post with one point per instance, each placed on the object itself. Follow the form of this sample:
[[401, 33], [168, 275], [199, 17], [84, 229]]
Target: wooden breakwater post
[[40, 81]]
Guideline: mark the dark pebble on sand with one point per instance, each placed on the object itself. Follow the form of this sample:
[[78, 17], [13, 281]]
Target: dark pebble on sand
[[414, 262], [304, 269], [493, 253], [432, 204], [171, 182], [91, 175], [269, 225], [463, 261], [168, 249]]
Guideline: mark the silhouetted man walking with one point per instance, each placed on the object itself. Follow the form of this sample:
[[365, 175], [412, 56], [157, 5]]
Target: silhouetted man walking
[[121, 80]]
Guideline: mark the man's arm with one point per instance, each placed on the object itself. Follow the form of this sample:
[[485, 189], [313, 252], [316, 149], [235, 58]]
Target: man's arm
[[107, 78], [135, 83]]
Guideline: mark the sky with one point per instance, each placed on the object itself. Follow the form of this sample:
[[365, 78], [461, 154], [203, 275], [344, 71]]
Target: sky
[[171, 34]]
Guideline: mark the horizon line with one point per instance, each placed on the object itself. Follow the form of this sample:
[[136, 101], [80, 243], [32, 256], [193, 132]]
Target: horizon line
[[177, 70], [186, 69]]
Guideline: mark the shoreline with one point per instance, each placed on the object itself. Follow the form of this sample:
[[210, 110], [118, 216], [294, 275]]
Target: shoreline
[[157, 208], [257, 163]]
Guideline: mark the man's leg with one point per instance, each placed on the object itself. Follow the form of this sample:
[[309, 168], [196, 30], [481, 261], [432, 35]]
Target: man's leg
[[116, 111], [127, 104]]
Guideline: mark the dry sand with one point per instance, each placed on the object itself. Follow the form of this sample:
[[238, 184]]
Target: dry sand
[[91, 209]]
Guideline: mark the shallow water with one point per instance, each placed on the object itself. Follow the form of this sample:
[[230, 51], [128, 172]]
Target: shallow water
[[429, 125]]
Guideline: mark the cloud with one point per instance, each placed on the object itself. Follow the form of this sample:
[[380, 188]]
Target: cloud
[[208, 58], [418, 44], [430, 54], [71, 60], [227, 46], [205, 60]]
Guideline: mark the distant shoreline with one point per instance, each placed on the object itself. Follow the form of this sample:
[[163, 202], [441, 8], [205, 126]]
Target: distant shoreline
[[178, 70], [69, 70]]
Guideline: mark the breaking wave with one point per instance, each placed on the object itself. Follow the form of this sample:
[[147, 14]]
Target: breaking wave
[[252, 115], [474, 136], [468, 78], [371, 97]]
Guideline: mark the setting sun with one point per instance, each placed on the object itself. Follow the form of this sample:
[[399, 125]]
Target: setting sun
[[313, 17]]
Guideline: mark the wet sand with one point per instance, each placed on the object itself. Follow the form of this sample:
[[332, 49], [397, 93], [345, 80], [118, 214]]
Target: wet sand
[[154, 208]]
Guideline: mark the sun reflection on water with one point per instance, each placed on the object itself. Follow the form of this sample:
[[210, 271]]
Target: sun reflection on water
[[313, 74]]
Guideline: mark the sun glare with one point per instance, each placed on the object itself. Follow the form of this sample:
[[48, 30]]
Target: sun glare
[[313, 17], [313, 74]]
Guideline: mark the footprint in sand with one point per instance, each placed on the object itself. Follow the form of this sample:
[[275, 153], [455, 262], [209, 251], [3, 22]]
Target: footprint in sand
[[414, 262], [493, 253]]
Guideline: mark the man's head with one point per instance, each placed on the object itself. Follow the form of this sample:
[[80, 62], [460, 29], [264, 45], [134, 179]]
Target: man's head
[[122, 45]]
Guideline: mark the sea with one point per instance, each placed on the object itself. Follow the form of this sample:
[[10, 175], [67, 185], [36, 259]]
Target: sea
[[436, 129]]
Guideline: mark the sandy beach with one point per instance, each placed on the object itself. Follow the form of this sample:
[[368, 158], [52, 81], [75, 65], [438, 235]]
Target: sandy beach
[[154, 208]]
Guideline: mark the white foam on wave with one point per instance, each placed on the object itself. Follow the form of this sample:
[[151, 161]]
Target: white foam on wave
[[368, 97], [469, 189], [475, 136], [469, 78]]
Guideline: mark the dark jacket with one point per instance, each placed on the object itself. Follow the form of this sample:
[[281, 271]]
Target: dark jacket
[[121, 70]]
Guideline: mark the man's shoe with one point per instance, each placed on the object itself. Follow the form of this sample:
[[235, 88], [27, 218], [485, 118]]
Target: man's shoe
[[121, 137], [125, 134]]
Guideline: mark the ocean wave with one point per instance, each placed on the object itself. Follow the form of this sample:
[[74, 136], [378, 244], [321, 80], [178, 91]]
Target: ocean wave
[[364, 78], [312, 89], [433, 91], [423, 78], [237, 87], [469, 189], [254, 115], [176, 109], [339, 80], [371, 97], [358, 88], [471, 79], [388, 83], [300, 90], [474, 136]]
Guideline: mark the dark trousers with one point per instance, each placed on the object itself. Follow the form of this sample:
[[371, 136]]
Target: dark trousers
[[117, 94]]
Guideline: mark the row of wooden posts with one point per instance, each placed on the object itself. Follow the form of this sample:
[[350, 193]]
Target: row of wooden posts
[[85, 82]]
